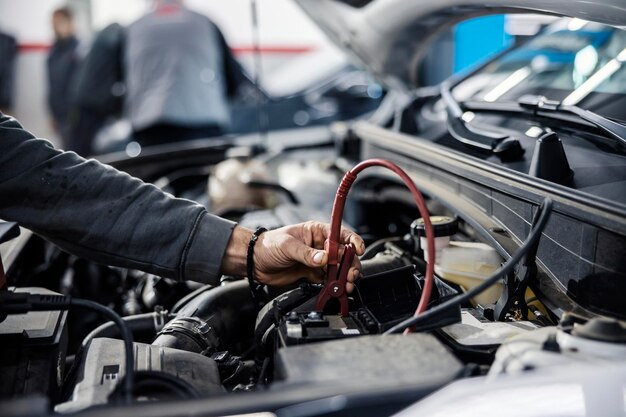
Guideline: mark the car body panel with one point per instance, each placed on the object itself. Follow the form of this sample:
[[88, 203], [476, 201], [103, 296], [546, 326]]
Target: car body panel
[[382, 34]]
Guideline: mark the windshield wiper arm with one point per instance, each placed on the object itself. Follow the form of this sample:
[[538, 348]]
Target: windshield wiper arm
[[490, 141], [542, 104]]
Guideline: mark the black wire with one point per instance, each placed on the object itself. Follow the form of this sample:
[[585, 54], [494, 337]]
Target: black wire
[[264, 367], [539, 223], [129, 377], [374, 248]]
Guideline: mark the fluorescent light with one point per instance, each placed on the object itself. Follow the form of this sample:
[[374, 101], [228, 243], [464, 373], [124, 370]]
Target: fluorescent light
[[506, 85], [595, 80], [576, 24]]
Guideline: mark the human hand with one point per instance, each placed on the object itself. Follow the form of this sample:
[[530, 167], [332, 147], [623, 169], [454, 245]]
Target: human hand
[[285, 255]]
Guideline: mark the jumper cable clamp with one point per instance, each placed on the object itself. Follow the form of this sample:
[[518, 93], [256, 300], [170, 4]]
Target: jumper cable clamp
[[336, 284]]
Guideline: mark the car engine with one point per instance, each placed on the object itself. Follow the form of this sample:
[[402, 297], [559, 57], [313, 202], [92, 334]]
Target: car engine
[[274, 346]]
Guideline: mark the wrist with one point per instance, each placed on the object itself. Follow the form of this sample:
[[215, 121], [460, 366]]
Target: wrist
[[234, 261]]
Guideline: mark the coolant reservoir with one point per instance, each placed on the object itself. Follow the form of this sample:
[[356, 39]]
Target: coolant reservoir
[[466, 264]]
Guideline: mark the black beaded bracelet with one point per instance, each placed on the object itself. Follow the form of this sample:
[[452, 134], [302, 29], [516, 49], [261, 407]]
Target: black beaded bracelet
[[254, 285]]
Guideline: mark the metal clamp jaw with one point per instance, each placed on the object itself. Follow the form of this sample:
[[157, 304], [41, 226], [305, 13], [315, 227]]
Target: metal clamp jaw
[[335, 287], [512, 302]]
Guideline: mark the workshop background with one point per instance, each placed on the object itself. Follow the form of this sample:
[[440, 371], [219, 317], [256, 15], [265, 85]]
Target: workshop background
[[292, 49]]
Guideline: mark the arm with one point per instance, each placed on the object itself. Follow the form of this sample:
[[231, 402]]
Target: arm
[[97, 212], [94, 211]]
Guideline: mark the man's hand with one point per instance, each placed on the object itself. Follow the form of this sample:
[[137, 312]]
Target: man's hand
[[285, 255]]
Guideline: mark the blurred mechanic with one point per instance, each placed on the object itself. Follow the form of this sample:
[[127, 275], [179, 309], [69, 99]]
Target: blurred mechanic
[[94, 211], [62, 66], [99, 89], [8, 52], [179, 75]]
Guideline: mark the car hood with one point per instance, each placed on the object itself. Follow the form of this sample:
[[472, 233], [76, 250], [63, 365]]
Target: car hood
[[390, 37]]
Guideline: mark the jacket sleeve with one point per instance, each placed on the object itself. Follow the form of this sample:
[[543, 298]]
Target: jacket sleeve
[[94, 211]]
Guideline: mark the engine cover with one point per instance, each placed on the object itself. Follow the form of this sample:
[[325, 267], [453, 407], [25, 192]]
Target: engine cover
[[386, 361], [102, 367]]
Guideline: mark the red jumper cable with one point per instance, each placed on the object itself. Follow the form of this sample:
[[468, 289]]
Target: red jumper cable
[[337, 271]]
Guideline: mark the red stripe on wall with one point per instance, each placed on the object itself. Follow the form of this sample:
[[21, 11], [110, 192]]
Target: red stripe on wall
[[33, 47], [238, 50]]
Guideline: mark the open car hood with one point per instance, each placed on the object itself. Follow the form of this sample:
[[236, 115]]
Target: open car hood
[[390, 37]]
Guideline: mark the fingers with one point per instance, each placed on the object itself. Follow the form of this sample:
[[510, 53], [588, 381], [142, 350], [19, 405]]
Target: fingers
[[353, 274], [302, 244], [304, 254], [316, 276], [348, 236], [321, 232]]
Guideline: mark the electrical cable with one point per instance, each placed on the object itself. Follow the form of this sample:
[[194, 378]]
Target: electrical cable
[[337, 216], [21, 303], [127, 336], [539, 223], [375, 247], [145, 323]]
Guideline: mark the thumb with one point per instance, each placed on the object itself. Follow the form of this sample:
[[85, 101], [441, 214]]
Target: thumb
[[305, 255]]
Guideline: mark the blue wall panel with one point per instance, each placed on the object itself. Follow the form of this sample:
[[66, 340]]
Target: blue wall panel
[[476, 39]]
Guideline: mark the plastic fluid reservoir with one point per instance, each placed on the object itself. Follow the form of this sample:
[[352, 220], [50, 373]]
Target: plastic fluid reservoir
[[466, 264]]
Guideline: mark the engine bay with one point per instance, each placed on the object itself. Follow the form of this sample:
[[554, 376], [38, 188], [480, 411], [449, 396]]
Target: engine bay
[[273, 349]]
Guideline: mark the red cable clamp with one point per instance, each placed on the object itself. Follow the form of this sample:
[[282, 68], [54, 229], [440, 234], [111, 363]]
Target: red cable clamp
[[336, 285], [337, 271]]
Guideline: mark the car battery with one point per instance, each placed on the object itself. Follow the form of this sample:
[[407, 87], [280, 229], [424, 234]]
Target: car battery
[[379, 302]]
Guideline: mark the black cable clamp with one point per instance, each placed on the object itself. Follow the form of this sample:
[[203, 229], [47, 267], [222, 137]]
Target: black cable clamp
[[255, 286]]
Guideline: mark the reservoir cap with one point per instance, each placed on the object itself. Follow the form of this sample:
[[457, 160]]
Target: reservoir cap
[[442, 225]]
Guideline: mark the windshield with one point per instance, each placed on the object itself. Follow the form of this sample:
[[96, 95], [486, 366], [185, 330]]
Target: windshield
[[573, 61]]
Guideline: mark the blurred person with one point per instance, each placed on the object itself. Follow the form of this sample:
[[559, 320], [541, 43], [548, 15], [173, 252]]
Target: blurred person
[[179, 75], [99, 89], [62, 66], [8, 53]]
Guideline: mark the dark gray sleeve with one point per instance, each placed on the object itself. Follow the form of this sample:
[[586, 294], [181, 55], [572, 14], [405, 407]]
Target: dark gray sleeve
[[94, 211]]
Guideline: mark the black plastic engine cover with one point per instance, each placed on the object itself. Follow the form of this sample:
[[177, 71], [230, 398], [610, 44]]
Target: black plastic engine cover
[[388, 361], [32, 351]]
